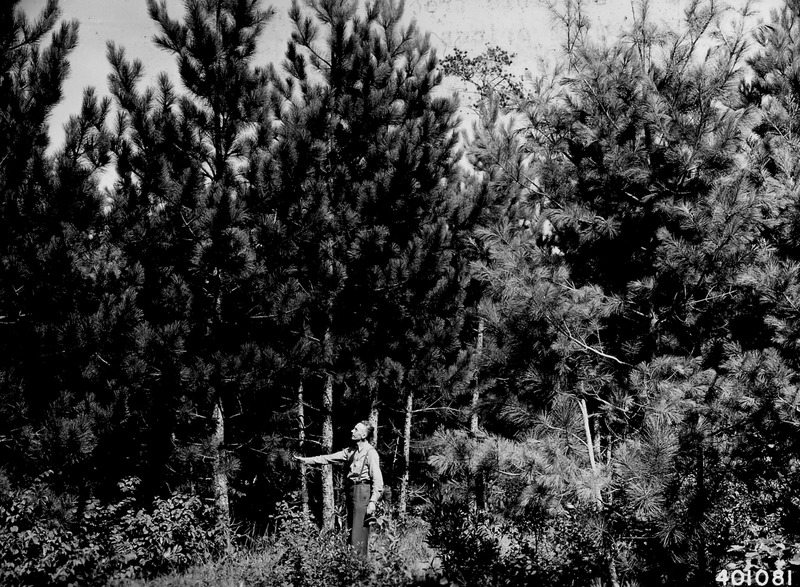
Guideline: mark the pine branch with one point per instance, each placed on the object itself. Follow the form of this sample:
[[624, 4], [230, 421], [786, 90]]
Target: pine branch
[[439, 409], [102, 360], [545, 424], [509, 474], [710, 297], [275, 315], [590, 348]]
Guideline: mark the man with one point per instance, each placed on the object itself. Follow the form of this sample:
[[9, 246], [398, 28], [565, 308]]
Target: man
[[364, 482]]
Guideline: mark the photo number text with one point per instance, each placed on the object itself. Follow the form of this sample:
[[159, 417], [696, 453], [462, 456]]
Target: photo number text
[[760, 577]]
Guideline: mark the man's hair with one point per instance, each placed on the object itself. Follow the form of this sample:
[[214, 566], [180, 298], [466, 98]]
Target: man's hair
[[370, 429]]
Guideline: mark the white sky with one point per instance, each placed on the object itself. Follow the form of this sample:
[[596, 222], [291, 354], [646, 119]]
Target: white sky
[[520, 26]]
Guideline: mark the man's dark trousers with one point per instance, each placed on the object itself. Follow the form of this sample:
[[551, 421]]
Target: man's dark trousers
[[357, 501]]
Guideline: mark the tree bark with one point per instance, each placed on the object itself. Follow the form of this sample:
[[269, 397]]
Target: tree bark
[[327, 447], [219, 475], [702, 503], [402, 501], [587, 428], [373, 414], [476, 390], [592, 447], [477, 495], [301, 421], [613, 577]]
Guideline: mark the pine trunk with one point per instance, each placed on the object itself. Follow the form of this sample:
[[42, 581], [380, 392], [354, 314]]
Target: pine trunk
[[476, 391], [598, 443], [593, 448], [613, 577], [373, 414], [301, 421], [219, 475], [327, 447], [477, 497], [403, 499], [702, 558]]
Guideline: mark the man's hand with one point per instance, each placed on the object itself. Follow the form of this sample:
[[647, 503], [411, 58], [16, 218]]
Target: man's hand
[[370, 508]]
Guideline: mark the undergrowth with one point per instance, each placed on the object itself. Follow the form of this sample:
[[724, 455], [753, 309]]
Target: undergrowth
[[46, 539], [297, 554]]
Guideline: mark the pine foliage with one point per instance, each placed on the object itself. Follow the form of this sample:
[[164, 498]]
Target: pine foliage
[[624, 288], [363, 189]]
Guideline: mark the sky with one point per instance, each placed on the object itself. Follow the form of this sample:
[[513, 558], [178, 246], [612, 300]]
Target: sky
[[522, 27]]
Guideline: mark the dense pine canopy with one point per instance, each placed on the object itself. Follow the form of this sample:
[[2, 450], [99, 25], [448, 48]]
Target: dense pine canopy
[[571, 314]]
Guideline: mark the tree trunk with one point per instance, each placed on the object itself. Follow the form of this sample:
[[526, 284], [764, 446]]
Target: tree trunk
[[613, 578], [599, 443], [592, 446], [301, 421], [478, 496], [373, 414], [219, 475], [702, 506], [587, 428], [476, 391], [403, 499], [327, 447]]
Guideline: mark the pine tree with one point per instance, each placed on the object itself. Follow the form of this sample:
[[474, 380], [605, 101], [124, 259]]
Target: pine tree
[[365, 192], [49, 220], [495, 189], [32, 74], [768, 370], [634, 253], [185, 223]]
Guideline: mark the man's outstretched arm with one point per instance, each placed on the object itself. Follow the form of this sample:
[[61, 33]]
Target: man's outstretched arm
[[335, 457]]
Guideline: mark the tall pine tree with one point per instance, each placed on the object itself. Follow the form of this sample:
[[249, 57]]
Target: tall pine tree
[[365, 190], [49, 220], [183, 222]]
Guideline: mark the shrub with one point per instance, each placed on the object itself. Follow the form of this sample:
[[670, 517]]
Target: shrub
[[480, 549], [309, 558], [42, 542], [767, 554], [174, 533], [469, 549], [38, 545]]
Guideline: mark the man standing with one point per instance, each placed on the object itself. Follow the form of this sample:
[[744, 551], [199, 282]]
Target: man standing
[[364, 482]]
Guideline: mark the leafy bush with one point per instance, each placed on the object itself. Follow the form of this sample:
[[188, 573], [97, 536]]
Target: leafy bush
[[44, 541], [769, 554], [480, 549], [310, 559], [469, 549], [175, 533], [38, 545]]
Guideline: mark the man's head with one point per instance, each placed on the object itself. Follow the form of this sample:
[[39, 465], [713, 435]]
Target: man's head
[[361, 431]]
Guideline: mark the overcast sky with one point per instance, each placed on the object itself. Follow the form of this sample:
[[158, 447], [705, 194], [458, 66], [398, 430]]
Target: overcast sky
[[127, 24], [521, 26]]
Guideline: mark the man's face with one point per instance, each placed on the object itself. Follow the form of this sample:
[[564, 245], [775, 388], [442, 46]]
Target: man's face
[[359, 432]]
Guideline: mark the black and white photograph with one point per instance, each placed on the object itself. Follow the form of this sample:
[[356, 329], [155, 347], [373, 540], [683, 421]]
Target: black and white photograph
[[399, 293]]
